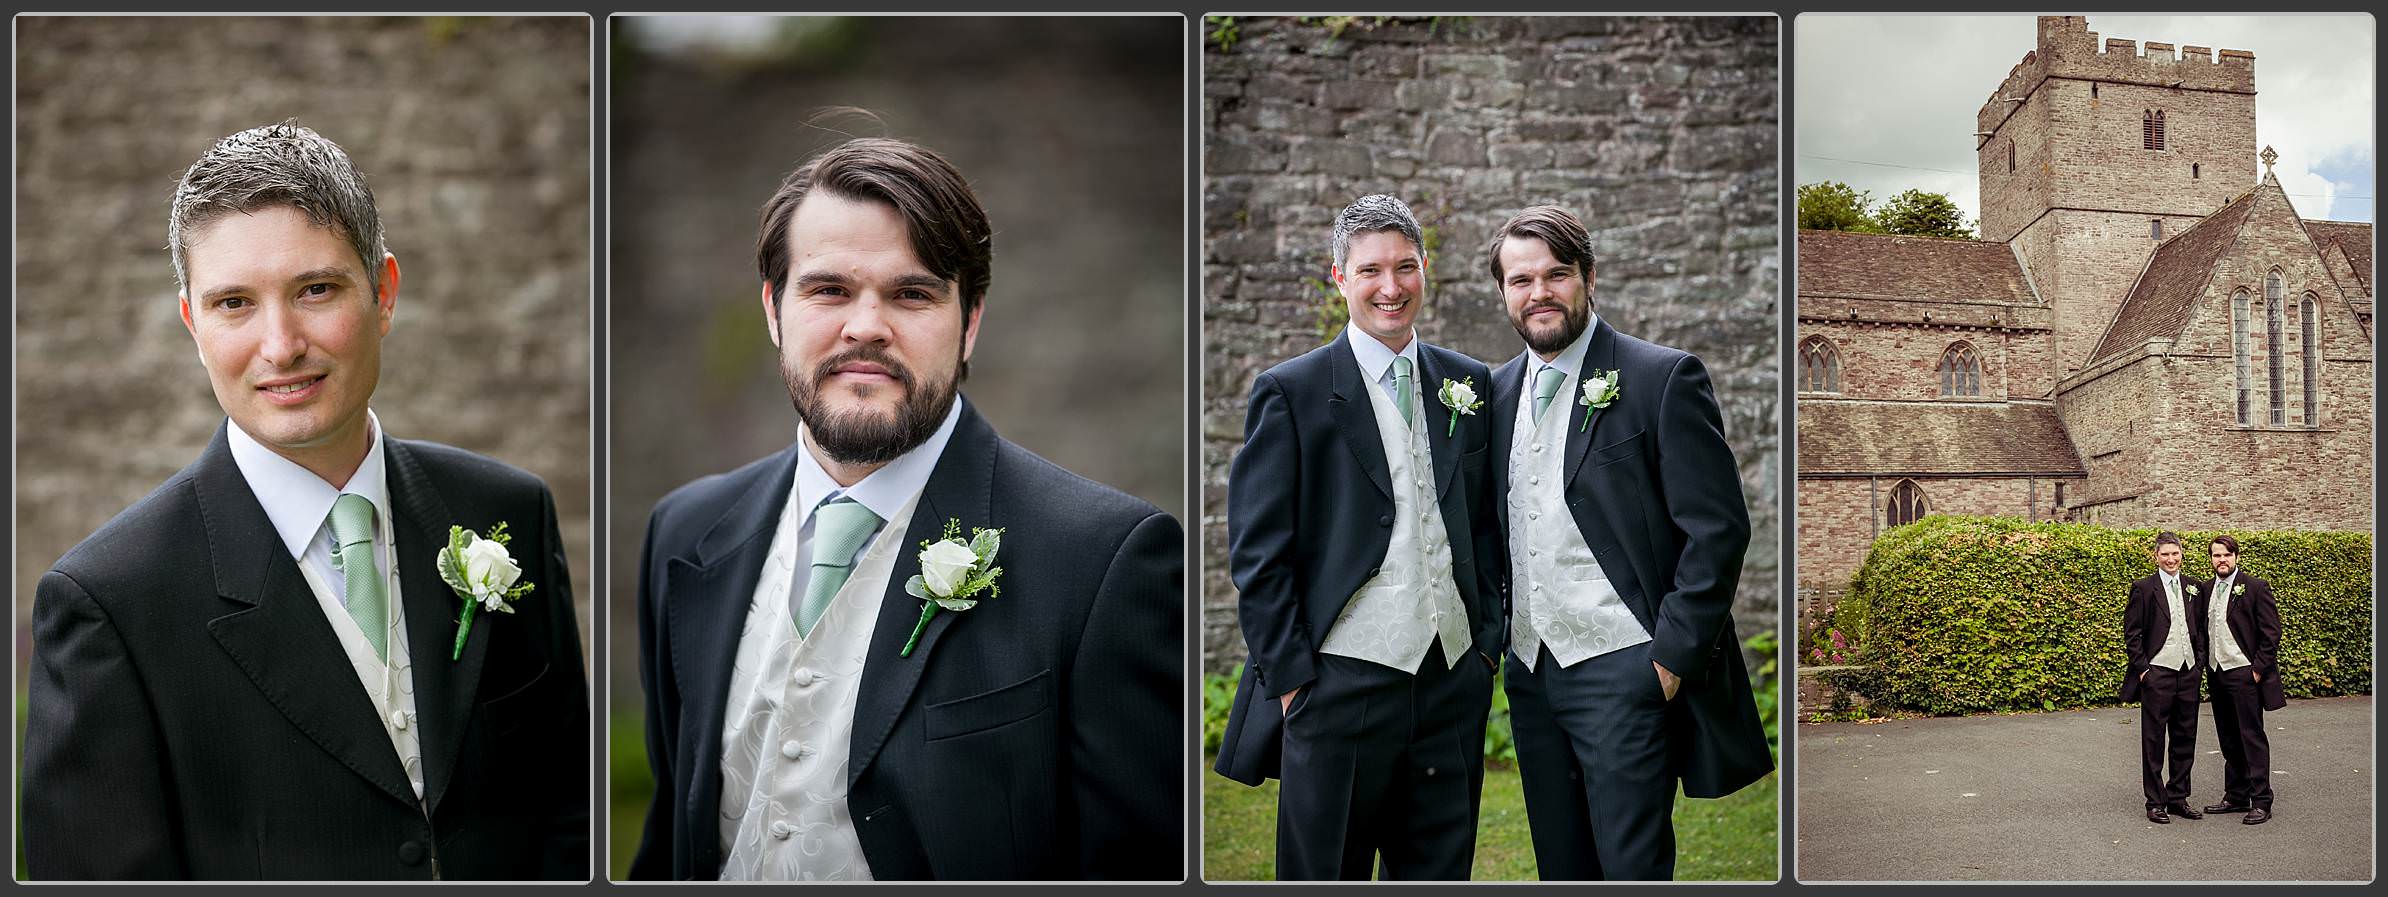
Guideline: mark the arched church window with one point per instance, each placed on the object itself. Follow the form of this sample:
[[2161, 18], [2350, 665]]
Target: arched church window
[[1907, 504], [2275, 354], [2312, 318], [1819, 366], [2239, 326], [2151, 130], [1960, 371]]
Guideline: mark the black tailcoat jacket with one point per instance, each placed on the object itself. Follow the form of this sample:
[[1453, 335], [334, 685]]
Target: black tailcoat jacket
[[2147, 617], [2254, 619], [1037, 735], [1310, 516], [192, 714], [1654, 490]]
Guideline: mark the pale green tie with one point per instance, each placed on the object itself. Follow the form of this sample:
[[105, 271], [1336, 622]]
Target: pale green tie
[[1404, 389], [839, 529], [1546, 388], [352, 546]]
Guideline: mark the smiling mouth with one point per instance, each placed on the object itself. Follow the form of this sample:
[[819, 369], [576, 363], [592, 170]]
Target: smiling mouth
[[294, 387], [1390, 308]]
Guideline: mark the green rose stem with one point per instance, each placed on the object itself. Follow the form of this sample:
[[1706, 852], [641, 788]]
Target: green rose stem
[[463, 629], [1453, 429], [927, 609], [1587, 424]]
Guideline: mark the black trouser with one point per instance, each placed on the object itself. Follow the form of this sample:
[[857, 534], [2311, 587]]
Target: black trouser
[[1383, 765], [2246, 750], [2167, 729], [1592, 751]]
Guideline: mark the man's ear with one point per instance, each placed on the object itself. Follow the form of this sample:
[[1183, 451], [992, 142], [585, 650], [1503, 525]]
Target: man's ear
[[387, 298], [770, 315], [1335, 273], [970, 327]]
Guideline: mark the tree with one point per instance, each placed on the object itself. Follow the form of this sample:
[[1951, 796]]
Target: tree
[[1833, 205], [1916, 213]]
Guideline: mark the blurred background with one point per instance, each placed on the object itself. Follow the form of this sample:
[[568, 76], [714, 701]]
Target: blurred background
[[1070, 131], [474, 135], [1661, 133]]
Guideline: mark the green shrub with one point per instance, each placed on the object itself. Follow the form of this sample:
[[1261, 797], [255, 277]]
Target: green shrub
[[1978, 614]]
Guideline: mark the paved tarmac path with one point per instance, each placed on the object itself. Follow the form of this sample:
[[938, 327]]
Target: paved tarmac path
[[2056, 797]]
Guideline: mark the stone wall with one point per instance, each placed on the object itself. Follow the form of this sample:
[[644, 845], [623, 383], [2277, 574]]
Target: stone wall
[[1902, 362], [2161, 423], [1661, 133], [1071, 132], [475, 136], [1840, 517]]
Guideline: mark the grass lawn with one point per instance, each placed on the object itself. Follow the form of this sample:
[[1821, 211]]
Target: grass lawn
[[1732, 839], [631, 787]]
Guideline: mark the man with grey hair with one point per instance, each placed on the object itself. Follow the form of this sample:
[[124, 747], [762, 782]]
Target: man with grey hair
[[240, 676], [1364, 549]]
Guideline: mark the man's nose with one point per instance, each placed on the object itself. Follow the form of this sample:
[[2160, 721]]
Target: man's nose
[[284, 342]]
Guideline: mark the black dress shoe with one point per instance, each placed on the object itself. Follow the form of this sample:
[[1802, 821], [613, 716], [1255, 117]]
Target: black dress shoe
[[2156, 815], [2258, 816], [2227, 807], [2183, 810]]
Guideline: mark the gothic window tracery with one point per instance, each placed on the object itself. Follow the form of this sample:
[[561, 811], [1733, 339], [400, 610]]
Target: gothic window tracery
[[1960, 371], [1819, 366]]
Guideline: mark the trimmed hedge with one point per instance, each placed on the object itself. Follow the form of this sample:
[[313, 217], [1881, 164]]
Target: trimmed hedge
[[1983, 614]]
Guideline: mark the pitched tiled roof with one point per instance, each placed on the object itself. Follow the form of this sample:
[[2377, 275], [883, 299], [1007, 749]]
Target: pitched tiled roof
[[1933, 438], [2351, 237], [2159, 302], [1878, 266]]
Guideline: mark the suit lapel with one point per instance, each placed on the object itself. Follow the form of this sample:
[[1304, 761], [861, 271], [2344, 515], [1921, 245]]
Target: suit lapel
[[1583, 421], [446, 690], [1436, 418], [707, 595], [959, 488], [278, 634], [1508, 389], [1354, 419]]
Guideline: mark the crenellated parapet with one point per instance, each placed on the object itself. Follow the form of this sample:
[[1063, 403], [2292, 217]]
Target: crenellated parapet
[[2068, 49]]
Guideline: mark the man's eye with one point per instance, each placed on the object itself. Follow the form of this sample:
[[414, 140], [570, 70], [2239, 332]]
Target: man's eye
[[316, 289], [232, 303]]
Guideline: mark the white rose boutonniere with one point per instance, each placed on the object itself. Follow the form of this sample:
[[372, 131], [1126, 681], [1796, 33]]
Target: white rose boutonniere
[[2190, 588], [2239, 589], [1460, 397], [482, 573], [952, 573], [1600, 389]]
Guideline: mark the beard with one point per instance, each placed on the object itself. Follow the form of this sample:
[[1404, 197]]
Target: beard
[[865, 436], [1571, 325]]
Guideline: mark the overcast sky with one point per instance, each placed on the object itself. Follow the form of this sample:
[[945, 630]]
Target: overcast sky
[[1885, 103]]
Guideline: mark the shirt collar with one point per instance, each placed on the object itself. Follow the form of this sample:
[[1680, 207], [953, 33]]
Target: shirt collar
[[296, 500], [1571, 359], [1374, 358], [885, 490]]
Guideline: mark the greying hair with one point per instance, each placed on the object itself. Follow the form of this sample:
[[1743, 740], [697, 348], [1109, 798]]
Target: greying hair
[[282, 164], [1371, 214]]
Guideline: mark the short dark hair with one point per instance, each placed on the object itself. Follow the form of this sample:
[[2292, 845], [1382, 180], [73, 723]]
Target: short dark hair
[[2224, 541], [281, 164], [2168, 538], [1562, 232], [948, 227]]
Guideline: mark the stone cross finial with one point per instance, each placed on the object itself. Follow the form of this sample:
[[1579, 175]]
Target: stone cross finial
[[2269, 157]]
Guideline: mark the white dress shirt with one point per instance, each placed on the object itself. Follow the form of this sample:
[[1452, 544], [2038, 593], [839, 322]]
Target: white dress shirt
[[2222, 648], [1376, 361], [787, 734], [1561, 598], [299, 504], [2175, 653]]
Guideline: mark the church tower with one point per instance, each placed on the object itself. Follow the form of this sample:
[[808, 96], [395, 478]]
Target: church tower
[[2090, 154]]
